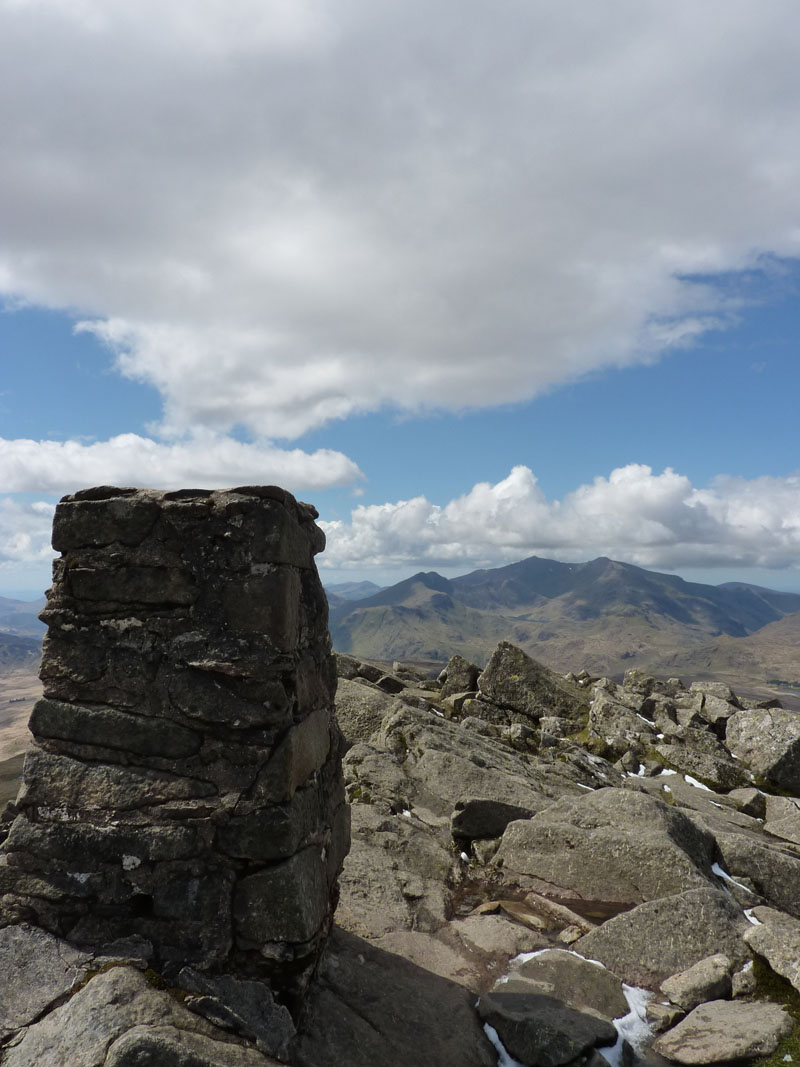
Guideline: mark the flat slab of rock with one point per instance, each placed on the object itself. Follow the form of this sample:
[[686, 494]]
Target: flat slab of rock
[[777, 939], [576, 982], [610, 844], [540, 1031], [36, 970], [661, 937], [724, 1030], [710, 979]]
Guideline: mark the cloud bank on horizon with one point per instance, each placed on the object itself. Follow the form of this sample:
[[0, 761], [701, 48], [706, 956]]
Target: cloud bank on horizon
[[653, 520], [285, 212]]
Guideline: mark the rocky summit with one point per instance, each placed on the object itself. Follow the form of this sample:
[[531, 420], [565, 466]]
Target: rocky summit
[[543, 869]]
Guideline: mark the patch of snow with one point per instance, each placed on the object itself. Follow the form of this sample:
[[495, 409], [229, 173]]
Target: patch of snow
[[698, 785], [503, 1058], [660, 737], [718, 871], [636, 774], [787, 1058], [648, 721], [666, 788], [632, 1027], [665, 773], [716, 805], [465, 857], [580, 785], [80, 877], [406, 812], [748, 914], [437, 712]]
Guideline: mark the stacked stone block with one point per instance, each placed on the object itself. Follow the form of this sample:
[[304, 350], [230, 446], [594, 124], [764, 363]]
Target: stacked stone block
[[184, 786]]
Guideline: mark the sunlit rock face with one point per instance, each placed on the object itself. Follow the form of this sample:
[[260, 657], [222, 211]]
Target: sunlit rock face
[[184, 787]]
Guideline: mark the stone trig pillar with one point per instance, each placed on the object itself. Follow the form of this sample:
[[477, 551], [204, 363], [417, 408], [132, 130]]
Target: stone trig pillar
[[185, 782]]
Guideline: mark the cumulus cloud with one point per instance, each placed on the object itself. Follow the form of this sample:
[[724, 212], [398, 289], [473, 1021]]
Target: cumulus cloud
[[205, 461], [24, 534], [634, 515], [281, 212]]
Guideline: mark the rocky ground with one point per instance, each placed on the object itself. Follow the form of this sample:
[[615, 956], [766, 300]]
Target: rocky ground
[[555, 843], [545, 870]]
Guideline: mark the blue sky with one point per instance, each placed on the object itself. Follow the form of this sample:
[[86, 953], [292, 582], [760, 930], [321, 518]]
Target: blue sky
[[533, 290]]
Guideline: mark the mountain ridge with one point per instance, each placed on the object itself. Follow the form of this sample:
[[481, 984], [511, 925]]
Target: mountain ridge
[[607, 614]]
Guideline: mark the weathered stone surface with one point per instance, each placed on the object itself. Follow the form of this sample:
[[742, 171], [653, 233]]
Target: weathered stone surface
[[514, 681], [497, 936], [420, 758], [750, 801], [360, 709], [106, 727], [613, 845], [777, 939], [186, 786], [716, 771], [773, 870], [297, 893], [541, 1031], [58, 781], [768, 741], [661, 937], [783, 818], [570, 979], [370, 1007], [246, 1007], [716, 710], [274, 832], [167, 1046], [36, 970], [89, 524], [395, 876], [616, 726], [722, 1031], [301, 753], [83, 1031], [709, 979], [661, 1015], [459, 676], [719, 690]]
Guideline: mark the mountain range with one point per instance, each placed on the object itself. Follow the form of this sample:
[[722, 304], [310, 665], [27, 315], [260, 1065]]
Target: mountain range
[[602, 615]]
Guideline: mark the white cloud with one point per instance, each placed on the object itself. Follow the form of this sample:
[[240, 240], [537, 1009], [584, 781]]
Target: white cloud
[[205, 461], [24, 534], [634, 515], [280, 212]]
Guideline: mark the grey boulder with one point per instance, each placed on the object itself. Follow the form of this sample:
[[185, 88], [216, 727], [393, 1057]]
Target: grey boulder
[[768, 741], [647, 945], [723, 1030]]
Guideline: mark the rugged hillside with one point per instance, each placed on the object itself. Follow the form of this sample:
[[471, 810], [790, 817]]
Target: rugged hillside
[[21, 617], [18, 652], [606, 615]]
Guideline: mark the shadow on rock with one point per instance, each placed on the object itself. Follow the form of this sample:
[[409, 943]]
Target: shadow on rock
[[372, 1007]]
